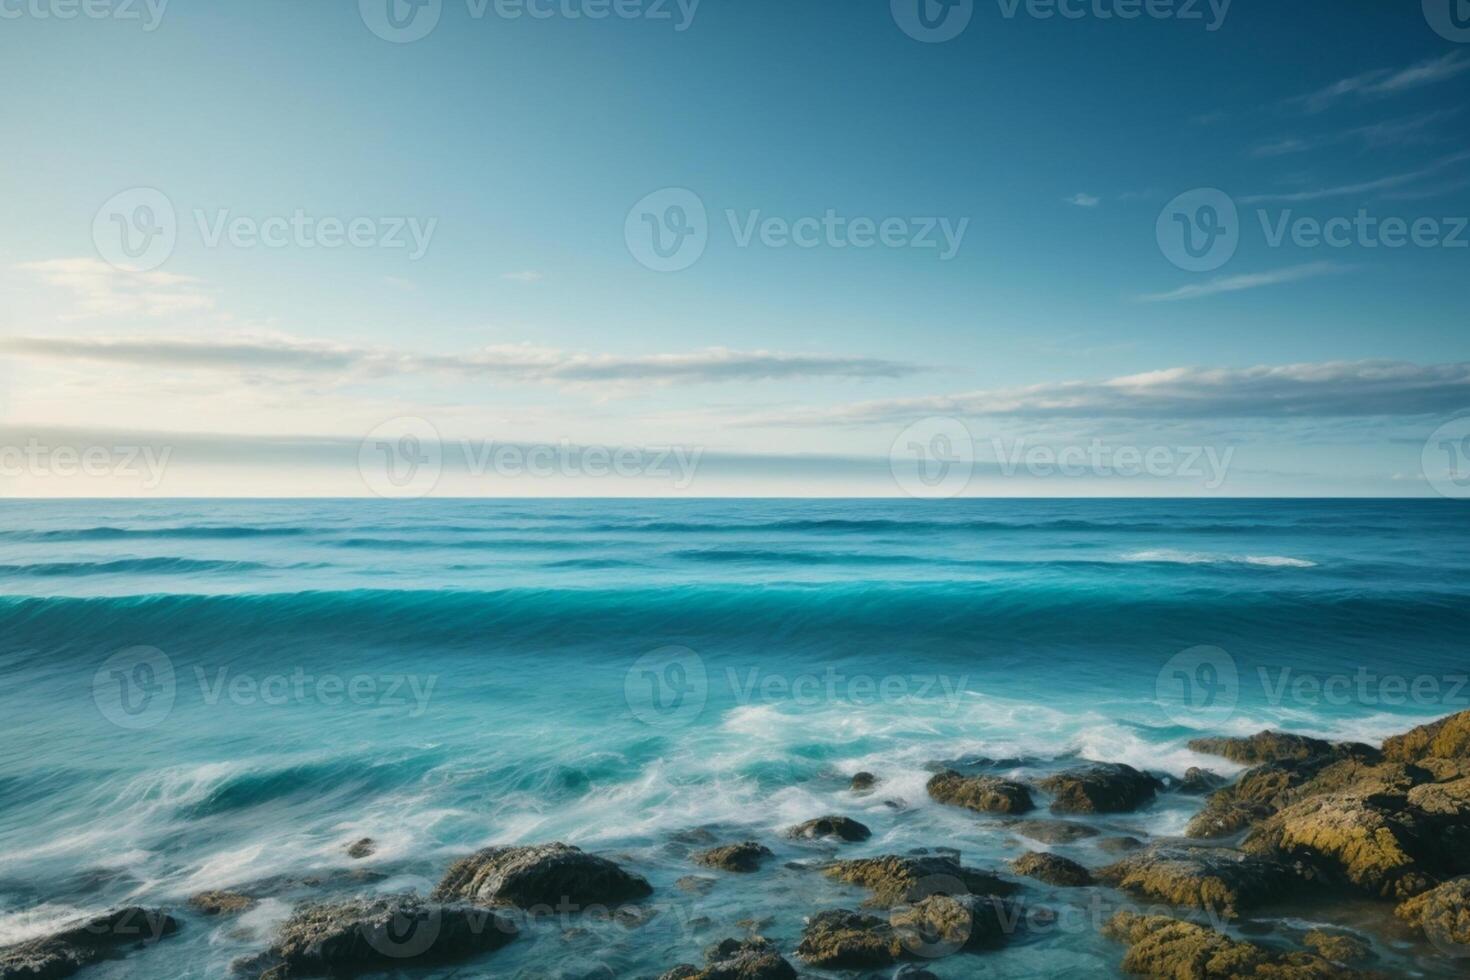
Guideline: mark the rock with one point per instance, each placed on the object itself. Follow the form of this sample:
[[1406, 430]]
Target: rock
[[1258, 793], [894, 879], [1448, 738], [737, 959], [1443, 915], [1103, 787], [388, 932], [1449, 799], [1053, 831], [1269, 746], [1052, 869], [942, 924], [842, 828], [694, 884], [365, 847], [222, 903], [846, 940], [1119, 845], [1368, 842], [1338, 947], [743, 858], [1197, 782], [1159, 946], [1215, 879], [863, 782], [985, 794], [84, 942], [542, 877], [1362, 779]]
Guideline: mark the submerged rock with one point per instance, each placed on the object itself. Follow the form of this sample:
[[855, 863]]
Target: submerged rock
[[1103, 787], [1053, 831], [222, 903], [365, 847], [1443, 915], [895, 879], [737, 959], [540, 877], [985, 794], [1338, 947], [85, 942], [863, 782], [1197, 782], [842, 828], [1216, 879], [742, 858], [1447, 738], [1052, 869], [1120, 845], [385, 933], [1159, 946]]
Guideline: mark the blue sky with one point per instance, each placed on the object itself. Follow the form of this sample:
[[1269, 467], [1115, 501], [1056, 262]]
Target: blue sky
[[495, 291]]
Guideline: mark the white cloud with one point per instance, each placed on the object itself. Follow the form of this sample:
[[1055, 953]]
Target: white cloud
[[1083, 200], [1235, 284], [1366, 187], [528, 275], [1384, 81], [103, 290]]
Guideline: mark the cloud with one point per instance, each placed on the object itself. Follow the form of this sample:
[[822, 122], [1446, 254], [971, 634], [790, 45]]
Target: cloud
[[521, 362], [1384, 81], [1255, 280], [1312, 390], [103, 290], [528, 275], [1366, 187], [1390, 132], [1083, 200]]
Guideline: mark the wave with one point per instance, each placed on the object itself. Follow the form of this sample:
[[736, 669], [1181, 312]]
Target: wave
[[109, 533], [156, 566], [1170, 557]]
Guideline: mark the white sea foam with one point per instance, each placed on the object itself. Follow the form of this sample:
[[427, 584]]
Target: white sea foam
[[1171, 556]]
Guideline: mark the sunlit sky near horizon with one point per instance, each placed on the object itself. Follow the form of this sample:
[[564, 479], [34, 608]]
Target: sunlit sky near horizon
[[791, 239]]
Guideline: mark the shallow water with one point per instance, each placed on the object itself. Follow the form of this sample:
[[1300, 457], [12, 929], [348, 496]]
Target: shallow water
[[443, 675]]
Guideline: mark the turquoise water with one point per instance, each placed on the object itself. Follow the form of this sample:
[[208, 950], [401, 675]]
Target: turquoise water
[[211, 694]]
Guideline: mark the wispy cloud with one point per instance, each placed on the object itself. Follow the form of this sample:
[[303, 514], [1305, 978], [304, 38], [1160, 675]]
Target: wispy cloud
[[1384, 81], [1254, 280], [1083, 200], [526, 275], [1391, 182], [1390, 132], [102, 290], [510, 362], [1321, 390]]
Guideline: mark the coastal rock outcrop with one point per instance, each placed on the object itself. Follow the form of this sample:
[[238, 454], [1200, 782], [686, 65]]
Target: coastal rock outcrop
[[842, 828], [742, 858], [1052, 869], [985, 794], [1159, 946], [1102, 787], [842, 939], [737, 959], [85, 942], [1443, 915], [1271, 746], [540, 877], [895, 879], [1338, 947], [1215, 879], [1447, 738]]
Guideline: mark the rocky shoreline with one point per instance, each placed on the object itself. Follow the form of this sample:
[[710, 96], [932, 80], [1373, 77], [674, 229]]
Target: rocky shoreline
[[1307, 819]]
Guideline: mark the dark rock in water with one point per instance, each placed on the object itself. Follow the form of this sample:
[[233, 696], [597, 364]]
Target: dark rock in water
[[694, 835], [362, 848], [862, 782], [1338, 947], [842, 939], [1052, 869], [1103, 787], [222, 903], [1119, 845], [842, 828], [986, 794], [1443, 915], [737, 959], [385, 933], [1219, 880], [895, 879], [953, 852], [944, 924], [694, 884], [1269, 746], [85, 942], [1053, 831], [1159, 946], [1197, 782], [743, 858], [542, 877], [1448, 738]]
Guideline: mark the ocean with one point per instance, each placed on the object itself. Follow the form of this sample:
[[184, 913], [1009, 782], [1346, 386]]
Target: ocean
[[215, 694]]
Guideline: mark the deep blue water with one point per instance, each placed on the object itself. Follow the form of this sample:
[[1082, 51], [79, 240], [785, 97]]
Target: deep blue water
[[205, 694]]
